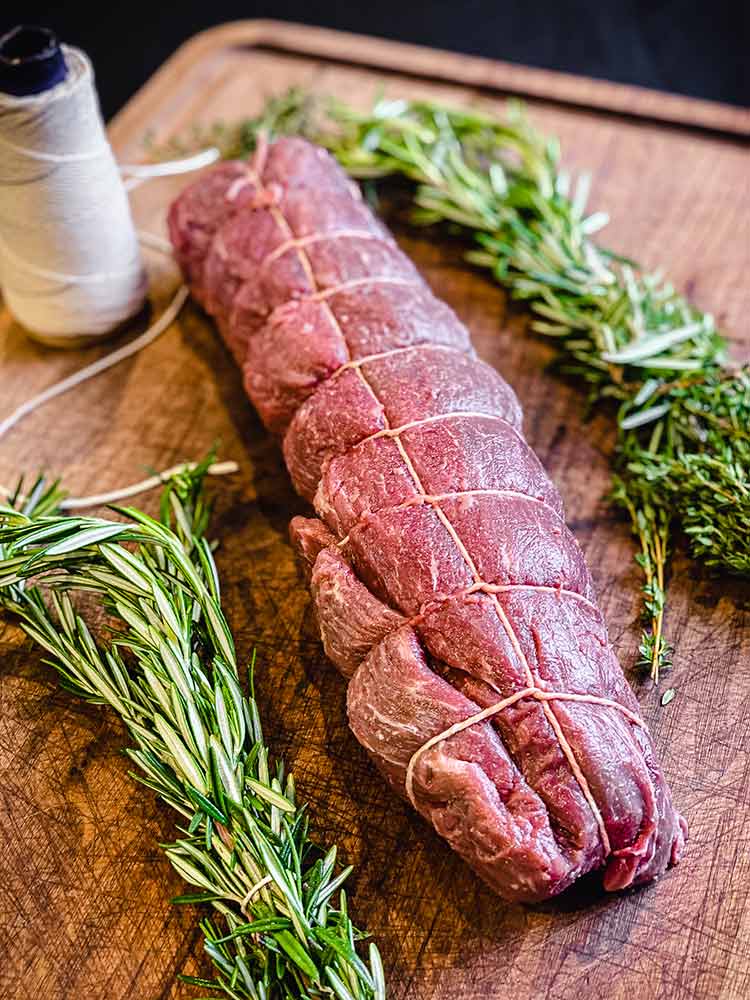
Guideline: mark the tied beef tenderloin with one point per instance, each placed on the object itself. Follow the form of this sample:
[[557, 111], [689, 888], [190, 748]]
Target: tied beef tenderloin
[[447, 587]]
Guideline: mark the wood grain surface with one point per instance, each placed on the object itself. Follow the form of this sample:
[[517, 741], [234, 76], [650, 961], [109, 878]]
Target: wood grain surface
[[84, 890]]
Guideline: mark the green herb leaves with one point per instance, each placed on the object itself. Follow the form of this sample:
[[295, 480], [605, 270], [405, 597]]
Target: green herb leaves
[[168, 668]]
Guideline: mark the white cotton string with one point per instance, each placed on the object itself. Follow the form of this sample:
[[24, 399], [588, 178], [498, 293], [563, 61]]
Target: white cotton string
[[137, 173], [70, 264], [253, 891], [147, 337], [492, 710], [153, 242], [123, 493]]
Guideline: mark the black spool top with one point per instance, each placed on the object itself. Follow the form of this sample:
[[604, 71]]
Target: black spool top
[[31, 61]]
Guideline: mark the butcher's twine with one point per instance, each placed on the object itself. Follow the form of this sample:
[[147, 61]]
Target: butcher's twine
[[70, 264], [535, 693], [138, 175], [123, 493], [253, 891], [75, 273]]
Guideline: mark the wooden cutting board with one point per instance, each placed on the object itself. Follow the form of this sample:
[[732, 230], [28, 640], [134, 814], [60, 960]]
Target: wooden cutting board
[[84, 892]]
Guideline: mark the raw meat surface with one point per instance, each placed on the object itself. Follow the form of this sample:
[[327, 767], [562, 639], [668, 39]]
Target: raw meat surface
[[444, 579]]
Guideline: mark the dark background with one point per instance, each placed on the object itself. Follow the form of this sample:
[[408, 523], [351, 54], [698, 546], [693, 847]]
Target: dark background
[[687, 46]]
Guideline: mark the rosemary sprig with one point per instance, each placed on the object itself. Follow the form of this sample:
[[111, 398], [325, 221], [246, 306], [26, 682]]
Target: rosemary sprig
[[682, 457], [168, 668]]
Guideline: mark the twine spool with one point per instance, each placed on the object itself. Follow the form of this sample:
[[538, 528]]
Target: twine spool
[[70, 263]]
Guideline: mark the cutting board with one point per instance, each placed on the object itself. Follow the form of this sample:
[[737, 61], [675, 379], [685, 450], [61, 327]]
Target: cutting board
[[84, 892]]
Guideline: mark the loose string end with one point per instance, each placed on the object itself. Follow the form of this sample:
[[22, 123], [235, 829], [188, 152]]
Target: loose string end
[[227, 468]]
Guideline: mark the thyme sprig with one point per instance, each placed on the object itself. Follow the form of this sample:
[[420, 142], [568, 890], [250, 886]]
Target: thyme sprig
[[682, 456], [168, 668]]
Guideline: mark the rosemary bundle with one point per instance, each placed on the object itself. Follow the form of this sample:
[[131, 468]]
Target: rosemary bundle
[[682, 456], [167, 666]]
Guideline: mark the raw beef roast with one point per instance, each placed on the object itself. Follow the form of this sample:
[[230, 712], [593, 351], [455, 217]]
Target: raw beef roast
[[447, 587]]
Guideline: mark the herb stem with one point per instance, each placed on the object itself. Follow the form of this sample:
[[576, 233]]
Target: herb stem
[[168, 667]]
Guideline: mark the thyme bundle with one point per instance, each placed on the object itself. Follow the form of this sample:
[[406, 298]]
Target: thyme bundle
[[682, 455], [281, 928]]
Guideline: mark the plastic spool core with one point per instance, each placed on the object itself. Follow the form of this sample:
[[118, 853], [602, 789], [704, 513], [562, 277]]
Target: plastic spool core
[[31, 61]]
